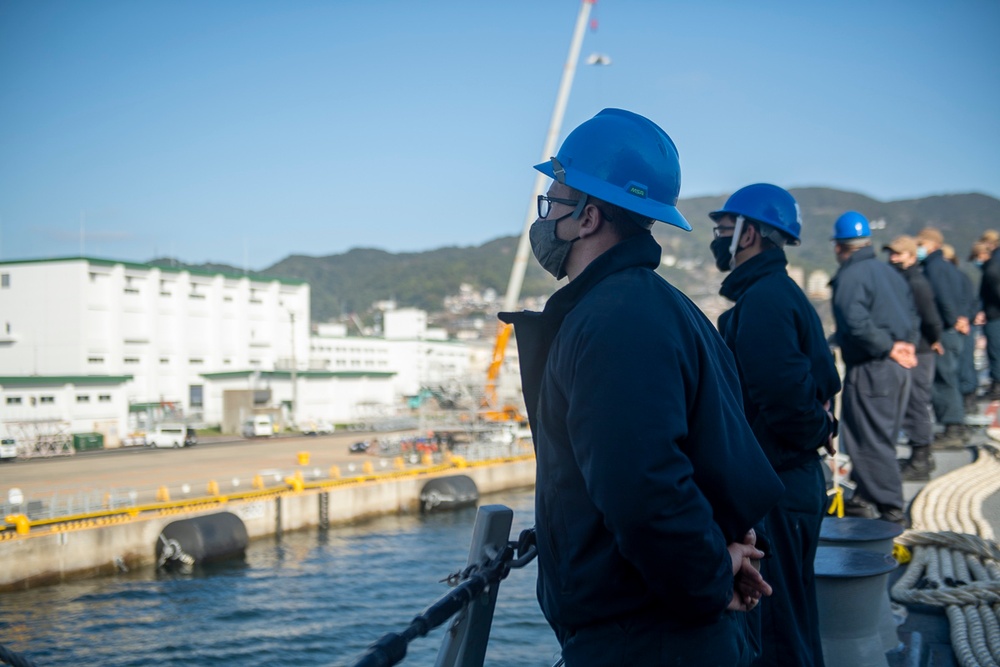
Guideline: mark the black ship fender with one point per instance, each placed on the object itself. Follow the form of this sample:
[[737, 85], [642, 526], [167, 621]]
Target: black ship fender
[[202, 539], [447, 493]]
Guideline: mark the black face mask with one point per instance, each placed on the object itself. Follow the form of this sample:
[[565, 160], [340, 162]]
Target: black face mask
[[720, 249]]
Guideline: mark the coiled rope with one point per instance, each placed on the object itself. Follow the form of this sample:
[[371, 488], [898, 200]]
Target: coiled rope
[[956, 563]]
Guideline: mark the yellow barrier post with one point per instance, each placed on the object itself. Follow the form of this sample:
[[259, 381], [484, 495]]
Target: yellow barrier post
[[368, 468], [427, 459], [213, 488], [398, 463], [20, 522], [303, 458], [258, 482], [163, 495], [334, 472]]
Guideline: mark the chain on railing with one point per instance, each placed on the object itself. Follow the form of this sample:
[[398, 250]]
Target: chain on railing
[[469, 584]]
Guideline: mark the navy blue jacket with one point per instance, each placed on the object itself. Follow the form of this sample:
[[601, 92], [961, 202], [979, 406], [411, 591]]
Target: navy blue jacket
[[927, 310], [873, 308], [786, 369], [949, 289], [989, 287], [646, 467]]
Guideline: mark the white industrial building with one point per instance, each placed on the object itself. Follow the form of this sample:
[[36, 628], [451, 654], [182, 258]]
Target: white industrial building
[[112, 347]]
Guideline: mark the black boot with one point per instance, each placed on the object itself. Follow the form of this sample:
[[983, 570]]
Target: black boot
[[971, 407], [952, 438], [994, 392], [919, 466], [893, 514]]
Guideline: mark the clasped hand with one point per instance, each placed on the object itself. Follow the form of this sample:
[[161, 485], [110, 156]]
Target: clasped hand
[[748, 586]]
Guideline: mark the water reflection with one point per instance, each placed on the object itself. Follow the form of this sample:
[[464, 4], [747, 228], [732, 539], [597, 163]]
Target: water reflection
[[310, 598]]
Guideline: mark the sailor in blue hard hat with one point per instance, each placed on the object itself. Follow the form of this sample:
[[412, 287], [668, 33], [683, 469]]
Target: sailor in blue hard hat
[[789, 379], [877, 328], [649, 480], [762, 211]]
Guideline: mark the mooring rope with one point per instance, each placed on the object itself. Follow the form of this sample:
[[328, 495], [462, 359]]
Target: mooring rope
[[956, 563]]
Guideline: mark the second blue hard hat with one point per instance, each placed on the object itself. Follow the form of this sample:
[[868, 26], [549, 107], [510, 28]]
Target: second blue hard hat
[[624, 159], [766, 203], [851, 225]]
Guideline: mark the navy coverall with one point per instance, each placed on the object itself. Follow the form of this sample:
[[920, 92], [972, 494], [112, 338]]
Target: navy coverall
[[646, 468], [787, 374], [873, 308]]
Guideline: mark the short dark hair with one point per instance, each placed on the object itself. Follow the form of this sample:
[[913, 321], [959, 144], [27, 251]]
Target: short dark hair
[[625, 223]]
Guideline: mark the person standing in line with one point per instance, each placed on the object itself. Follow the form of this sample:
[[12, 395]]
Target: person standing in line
[[968, 383], [946, 396], [789, 380], [989, 297], [877, 328], [917, 423], [649, 479]]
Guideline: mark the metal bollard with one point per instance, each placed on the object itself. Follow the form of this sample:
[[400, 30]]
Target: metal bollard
[[849, 584], [871, 535]]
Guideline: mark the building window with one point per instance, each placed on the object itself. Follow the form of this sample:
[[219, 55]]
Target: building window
[[95, 360], [13, 400], [47, 399], [4, 280], [227, 362], [196, 360], [164, 360], [104, 398], [82, 398], [196, 392], [131, 360]]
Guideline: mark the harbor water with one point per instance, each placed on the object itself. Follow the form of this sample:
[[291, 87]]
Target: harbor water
[[307, 598]]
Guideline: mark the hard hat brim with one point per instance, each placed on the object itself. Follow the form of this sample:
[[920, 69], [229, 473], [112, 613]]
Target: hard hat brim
[[611, 194]]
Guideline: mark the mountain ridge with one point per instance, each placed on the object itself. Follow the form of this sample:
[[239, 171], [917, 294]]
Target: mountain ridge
[[351, 281]]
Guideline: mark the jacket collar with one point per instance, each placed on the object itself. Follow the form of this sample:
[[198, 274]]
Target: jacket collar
[[860, 255], [746, 274], [640, 250]]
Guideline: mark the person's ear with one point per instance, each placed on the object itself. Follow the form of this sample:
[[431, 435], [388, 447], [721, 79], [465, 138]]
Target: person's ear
[[591, 221]]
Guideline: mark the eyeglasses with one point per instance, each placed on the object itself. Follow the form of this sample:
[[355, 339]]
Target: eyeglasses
[[721, 231], [545, 204]]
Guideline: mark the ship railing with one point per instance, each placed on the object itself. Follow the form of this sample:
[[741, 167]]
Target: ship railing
[[470, 604]]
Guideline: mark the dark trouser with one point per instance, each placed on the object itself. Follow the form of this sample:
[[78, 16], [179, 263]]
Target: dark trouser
[[873, 402], [917, 420], [992, 332], [967, 380], [660, 643], [790, 622], [945, 395]]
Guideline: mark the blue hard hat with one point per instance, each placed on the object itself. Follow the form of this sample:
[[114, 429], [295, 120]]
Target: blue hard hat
[[851, 225], [624, 159], [766, 203]]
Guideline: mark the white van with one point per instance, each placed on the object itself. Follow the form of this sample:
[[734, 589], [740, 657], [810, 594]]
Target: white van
[[169, 435], [8, 449], [260, 426]]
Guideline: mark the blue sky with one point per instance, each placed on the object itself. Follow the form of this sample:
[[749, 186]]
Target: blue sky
[[241, 131]]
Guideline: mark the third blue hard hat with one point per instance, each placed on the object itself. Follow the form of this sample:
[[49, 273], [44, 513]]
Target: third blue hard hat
[[851, 225], [624, 159], [766, 203]]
